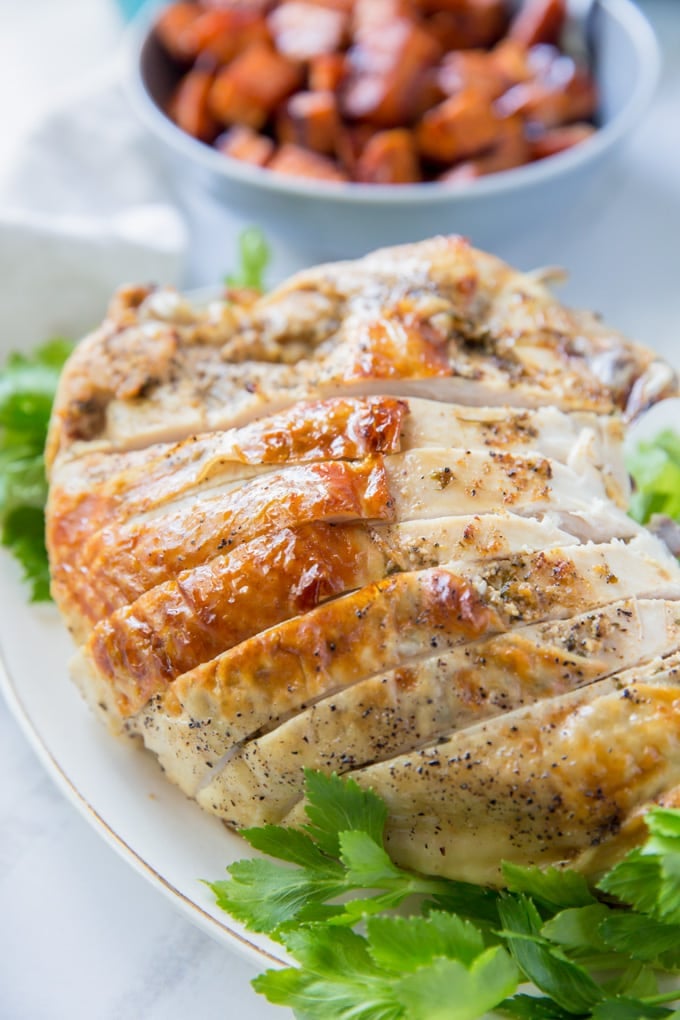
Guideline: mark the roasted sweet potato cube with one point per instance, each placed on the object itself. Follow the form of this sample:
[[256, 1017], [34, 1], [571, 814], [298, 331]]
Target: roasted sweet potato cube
[[384, 69], [326, 72], [173, 28], [426, 93], [189, 107], [253, 85], [469, 24], [511, 149], [223, 34], [470, 69], [247, 145], [539, 21], [485, 22], [310, 119], [231, 105], [550, 143], [428, 7], [390, 157], [350, 143], [564, 94], [461, 126], [303, 30], [490, 73], [294, 161], [370, 14], [510, 59]]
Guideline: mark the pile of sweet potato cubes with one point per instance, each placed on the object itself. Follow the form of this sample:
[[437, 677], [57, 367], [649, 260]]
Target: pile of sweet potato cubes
[[378, 91]]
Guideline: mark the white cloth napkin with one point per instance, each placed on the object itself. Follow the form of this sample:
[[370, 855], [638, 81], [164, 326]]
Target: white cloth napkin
[[84, 208]]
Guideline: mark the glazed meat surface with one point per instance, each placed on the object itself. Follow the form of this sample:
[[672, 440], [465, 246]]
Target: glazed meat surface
[[375, 523]]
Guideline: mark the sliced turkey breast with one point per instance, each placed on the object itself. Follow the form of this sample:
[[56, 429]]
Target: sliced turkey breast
[[374, 522]]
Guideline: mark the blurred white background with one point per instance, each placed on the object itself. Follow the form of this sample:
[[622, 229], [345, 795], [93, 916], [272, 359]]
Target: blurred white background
[[46, 48]]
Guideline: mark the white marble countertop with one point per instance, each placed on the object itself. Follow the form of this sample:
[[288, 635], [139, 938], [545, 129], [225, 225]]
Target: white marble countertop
[[82, 935]]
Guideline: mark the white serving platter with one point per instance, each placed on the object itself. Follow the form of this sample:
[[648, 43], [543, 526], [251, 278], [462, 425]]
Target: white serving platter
[[117, 786]]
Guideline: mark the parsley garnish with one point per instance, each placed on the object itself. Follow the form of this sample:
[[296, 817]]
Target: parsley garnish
[[593, 954], [254, 257], [655, 468], [27, 387]]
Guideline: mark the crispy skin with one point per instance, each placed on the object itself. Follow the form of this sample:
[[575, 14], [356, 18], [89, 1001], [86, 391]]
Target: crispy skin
[[118, 564], [96, 499], [179, 624], [359, 634], [374, 521], [103, 486]]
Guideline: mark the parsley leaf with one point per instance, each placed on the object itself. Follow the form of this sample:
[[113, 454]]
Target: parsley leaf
[[335, 805], [568, 984], [344, 975], [337, 980], [628, 1009], [28, 384], [551, 886], [528, 1007], [642, 938], [578, 928], [401, 943], [265, 895], [447, 990], [649, 878], [254, 256]]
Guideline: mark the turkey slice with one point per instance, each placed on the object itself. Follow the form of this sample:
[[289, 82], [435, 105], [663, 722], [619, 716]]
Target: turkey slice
[[436, 320]]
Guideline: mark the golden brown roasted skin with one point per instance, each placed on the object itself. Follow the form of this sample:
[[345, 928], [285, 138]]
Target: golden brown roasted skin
[[374, 522]]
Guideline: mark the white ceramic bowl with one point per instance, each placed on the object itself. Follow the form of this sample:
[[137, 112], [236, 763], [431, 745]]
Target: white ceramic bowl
[[326, 220]]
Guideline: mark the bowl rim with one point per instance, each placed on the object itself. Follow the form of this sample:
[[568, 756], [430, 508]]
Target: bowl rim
[[631, 18]]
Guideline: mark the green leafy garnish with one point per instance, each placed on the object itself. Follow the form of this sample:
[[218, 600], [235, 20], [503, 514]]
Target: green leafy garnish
[[655, 469], [376, 977], [27, 387], [464, 950], [254, 257], [339, 853], [649, 878]]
